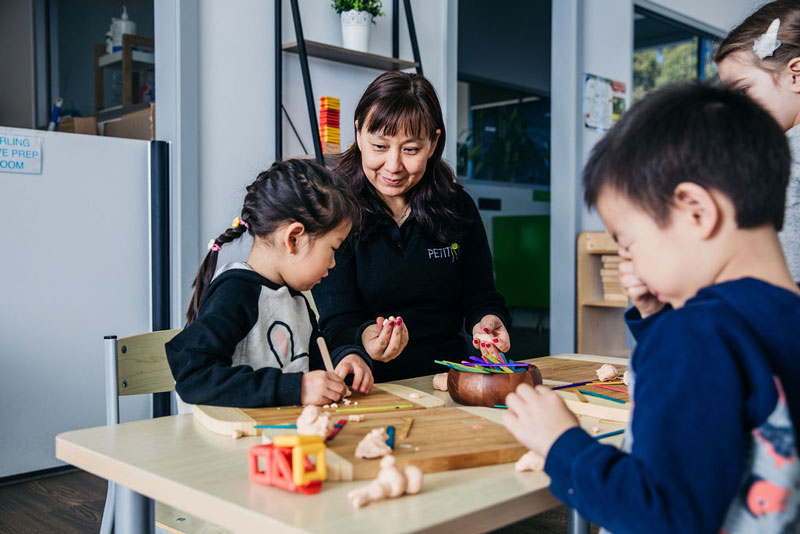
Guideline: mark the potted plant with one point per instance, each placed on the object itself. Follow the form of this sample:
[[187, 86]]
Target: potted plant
[[356, 16]]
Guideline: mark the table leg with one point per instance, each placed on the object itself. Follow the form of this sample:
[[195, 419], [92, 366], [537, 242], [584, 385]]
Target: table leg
[[575, 523], [134, 513]]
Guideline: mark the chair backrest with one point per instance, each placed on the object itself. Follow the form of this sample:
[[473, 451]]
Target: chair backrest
[[136, 365], [142, 363]]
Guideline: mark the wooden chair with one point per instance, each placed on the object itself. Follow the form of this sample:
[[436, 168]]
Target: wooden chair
[[137, 365]]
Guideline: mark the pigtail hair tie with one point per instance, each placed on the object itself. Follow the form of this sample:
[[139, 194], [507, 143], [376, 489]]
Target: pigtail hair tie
[[213, 246], [237, 221]]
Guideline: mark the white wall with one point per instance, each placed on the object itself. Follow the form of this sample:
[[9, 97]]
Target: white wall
[[236, 97]]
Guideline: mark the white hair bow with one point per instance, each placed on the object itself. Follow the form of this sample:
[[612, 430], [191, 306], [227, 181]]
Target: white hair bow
[[768, 42]]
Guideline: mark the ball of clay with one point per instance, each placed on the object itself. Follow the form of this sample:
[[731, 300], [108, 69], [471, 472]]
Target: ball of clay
[[627, 377], [440, 381], [391, 478], [530, 461], [373, 445], [311, 422], [413, 479], [607, 372]]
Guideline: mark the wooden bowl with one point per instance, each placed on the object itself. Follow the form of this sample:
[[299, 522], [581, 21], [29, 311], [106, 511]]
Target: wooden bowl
[[480, 389]]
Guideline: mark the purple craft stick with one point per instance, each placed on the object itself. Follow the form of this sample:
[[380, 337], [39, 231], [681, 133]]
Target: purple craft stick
[[497, 364]]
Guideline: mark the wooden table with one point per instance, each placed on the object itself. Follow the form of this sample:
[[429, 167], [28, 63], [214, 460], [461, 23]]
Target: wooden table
[[175, 460]]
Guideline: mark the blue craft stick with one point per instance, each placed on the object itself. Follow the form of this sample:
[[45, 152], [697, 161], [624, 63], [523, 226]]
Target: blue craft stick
[[572, 385], [600, 395], [502, 406], [390, 433], [609, 434]]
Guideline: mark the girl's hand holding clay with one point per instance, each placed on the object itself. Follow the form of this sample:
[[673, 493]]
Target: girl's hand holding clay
[[386, 339]]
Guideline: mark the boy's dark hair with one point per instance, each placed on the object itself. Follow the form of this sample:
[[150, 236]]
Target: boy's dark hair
[[290, 191], [396, 103], [716, 138]]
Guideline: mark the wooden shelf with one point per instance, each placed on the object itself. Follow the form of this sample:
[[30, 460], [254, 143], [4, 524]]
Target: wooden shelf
[[607, 303], [352, 57], [601, 323]]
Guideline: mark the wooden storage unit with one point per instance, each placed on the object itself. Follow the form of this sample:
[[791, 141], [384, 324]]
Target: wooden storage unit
[[601, 325]]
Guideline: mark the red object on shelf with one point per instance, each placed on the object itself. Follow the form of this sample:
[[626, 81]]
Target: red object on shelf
[[278, 469]]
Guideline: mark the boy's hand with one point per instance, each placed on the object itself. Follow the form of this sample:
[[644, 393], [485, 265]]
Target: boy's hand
[[490, 336], [362, 374], [321, 387], [645, 301], [537, 417], [386, 339]]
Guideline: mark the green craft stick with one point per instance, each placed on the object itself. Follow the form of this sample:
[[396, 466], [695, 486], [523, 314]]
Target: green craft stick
[[374, 408]]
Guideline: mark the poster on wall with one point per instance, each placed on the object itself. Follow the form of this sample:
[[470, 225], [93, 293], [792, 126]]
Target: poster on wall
[[603, 102]]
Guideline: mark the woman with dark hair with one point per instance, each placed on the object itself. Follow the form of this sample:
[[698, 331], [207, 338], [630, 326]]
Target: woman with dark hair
[[417, 270]]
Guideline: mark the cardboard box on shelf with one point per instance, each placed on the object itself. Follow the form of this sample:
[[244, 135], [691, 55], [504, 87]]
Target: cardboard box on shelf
[[138, 125], [79, 125]]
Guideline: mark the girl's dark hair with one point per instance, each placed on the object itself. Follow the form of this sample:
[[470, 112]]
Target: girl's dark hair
[[289, 191], [744, 35], [716, 138], [399, 102]]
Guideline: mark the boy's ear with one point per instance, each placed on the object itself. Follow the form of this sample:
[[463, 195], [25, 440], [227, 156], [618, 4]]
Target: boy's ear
[[793, 70], [292, 235], [698, 208]]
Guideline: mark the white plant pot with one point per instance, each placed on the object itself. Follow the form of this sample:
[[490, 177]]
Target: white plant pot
[[355, 30]]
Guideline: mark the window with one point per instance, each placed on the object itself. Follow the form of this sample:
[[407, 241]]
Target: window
[[507, 138], [667, 51]]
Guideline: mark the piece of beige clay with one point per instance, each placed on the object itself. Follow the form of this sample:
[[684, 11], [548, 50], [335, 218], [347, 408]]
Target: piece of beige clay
[[440, 381], [607, 372], [347, 402], [334, 405], [374, 444], [626, 378], [236, 434], [413, 395], [391, 482], [355, 418], [311, 422], [530, 461], [595, 429]]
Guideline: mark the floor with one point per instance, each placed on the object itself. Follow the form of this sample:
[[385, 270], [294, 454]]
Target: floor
[[72, 503]]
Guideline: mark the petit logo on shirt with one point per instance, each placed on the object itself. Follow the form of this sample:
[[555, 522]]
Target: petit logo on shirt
[[450, 253]]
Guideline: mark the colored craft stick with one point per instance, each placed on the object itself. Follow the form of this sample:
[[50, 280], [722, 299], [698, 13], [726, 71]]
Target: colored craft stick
[[390, 433], [501, 406], [459, 367], [407, 422], [600, 395], [499, 364], [609, 387], [572, 385], [337, 429], [609, 434], [286, 426], [374, 408], [578, 394]]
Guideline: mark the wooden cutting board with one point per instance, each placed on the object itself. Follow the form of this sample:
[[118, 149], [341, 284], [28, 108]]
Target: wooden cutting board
[[443, 439], [566, 371], [223, 420]]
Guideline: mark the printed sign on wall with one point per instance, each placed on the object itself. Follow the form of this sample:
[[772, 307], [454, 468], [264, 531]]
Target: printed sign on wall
[[603, 102], [20, 154]]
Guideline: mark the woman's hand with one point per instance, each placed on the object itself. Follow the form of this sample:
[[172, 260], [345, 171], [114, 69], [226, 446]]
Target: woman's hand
[[321, 387], [645, 301], [491, 336], [362, 374], [386, 339]]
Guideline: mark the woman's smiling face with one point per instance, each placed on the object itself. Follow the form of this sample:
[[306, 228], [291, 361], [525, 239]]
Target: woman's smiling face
[[394, 164]]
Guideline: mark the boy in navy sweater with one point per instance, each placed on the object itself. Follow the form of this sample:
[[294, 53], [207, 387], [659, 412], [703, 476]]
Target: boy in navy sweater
[[691, 183]]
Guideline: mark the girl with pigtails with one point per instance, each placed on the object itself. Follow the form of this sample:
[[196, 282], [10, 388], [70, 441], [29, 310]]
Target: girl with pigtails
[[251, 337]]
